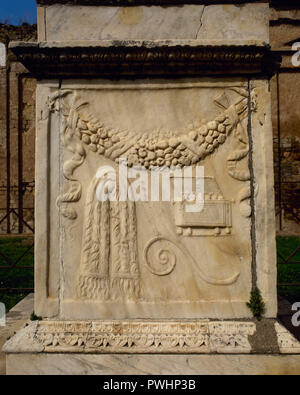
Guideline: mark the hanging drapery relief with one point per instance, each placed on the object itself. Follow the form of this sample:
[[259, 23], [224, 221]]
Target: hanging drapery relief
[[110, 264]]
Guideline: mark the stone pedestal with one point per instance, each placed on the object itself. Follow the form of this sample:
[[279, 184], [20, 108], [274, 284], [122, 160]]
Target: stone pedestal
[[136, 104]]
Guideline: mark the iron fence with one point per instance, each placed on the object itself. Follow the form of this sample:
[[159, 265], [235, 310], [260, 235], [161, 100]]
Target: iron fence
[[12, 264]]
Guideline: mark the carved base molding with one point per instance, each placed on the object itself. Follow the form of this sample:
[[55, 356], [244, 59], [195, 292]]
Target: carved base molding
[[140, 337]]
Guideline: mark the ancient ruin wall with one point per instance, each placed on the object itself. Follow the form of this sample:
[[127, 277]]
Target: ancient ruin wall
[[17, 117]]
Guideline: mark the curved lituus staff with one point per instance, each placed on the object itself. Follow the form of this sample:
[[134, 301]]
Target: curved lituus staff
[[168, 261]]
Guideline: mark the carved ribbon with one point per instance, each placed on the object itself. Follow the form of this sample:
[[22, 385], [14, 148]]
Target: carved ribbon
[[156, 149], [108, 265]]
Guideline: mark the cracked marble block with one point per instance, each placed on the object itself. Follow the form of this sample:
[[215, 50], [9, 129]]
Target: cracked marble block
[[152, 259], [135, 91]]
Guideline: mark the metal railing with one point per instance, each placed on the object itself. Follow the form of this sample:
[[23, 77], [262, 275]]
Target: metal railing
[[287, 261], [11, 265]]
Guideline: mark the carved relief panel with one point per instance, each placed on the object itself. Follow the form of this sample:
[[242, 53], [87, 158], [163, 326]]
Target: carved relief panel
[[120, 257]]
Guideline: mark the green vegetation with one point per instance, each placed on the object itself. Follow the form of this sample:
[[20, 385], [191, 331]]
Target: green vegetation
[[256, 304], [34, 317], [286, 245], [288, 273], [18, 277]]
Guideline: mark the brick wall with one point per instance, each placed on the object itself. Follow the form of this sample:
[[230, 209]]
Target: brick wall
[[17, 136], [285, 92]]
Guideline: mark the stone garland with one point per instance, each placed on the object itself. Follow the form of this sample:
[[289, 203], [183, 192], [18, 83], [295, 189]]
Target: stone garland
[[160, 148]]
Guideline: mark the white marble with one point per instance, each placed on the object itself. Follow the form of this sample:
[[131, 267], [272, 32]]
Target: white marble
[[15, 320], [246, 22], [287, 343], [2, 55], [217, 285], [122, 271], [265, 228], [126, 23], [76, 364], [134, 337], [228, 21]]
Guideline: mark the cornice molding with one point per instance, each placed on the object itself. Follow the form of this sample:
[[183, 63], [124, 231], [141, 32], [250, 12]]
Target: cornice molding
[[140, 58], [278, 4]]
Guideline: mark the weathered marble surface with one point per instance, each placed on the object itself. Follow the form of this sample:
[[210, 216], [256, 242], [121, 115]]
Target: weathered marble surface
[[142, 264], [216, 286], [288, 344], [153, 337], [263, 190], [66, 364], [45, 247], [15, 320], [246, 22], [136, 337]]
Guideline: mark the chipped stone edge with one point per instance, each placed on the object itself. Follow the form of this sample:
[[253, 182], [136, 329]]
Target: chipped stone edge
[[222, 337], [24, 341], [287, 343], [139, 43], [119, 3]]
